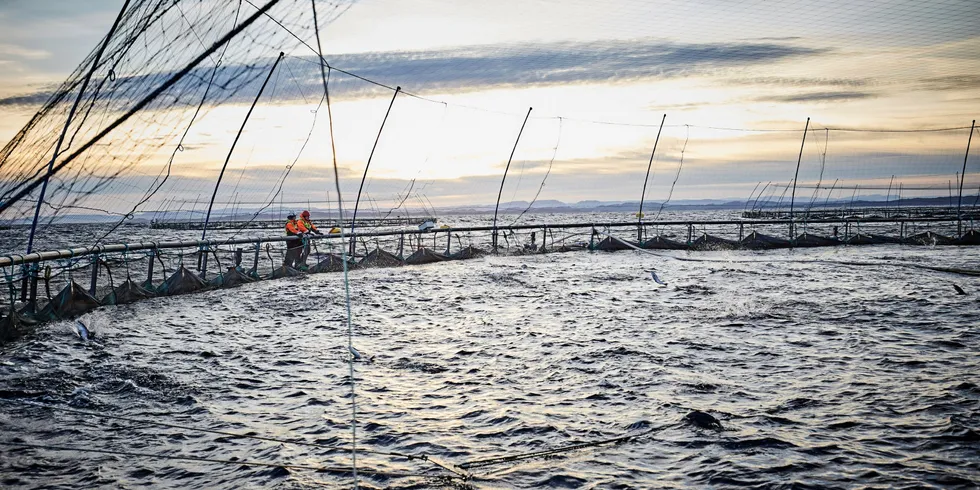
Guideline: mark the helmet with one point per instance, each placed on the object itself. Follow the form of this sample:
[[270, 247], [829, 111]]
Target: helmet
[[291, 216], [305, 214]]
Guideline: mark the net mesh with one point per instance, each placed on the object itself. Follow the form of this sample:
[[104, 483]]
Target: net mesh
[[450, 130]]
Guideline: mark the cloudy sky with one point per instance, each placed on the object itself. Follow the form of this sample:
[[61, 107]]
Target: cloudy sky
[[737, 82]]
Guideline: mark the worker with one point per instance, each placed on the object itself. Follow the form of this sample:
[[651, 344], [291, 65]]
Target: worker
[[308, 227], [294, 248]]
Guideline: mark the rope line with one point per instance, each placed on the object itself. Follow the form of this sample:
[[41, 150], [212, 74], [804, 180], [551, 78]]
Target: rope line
[[547, 452], [321, 469], [343, 238]]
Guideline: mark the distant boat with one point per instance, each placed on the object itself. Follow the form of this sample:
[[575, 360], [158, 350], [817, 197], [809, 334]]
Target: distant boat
[[427, 225], [638, 215]]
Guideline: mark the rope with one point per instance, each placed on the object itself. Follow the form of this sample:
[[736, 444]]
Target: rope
[[547, 452], [241, 462], [543, 179], [676, 177], [343, 240]]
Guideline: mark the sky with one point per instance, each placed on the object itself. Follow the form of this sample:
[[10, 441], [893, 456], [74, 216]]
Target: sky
[[736, 80]]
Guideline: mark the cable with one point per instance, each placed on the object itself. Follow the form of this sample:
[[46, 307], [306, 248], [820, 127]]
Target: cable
[[241, 462], [676, 177], [547, 452], [545, 178], [343, 238]]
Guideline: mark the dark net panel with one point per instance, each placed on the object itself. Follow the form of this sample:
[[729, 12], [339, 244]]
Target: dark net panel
[[154, 40]]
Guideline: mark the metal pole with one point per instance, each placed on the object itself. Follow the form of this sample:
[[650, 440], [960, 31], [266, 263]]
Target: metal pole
[[95, 275], [368, 166], [71, 114], [504, 179], [959, 203], [795, 176], [149, 269], [639, 215], [207, 217], [26, 189]]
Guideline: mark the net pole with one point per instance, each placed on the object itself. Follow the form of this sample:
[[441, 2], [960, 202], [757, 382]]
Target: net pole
[[959, 202], [207, 217], [28, 188], [71, 115], [496, 208], [64, 132], [368, 166], [639, 214], [792, 199]]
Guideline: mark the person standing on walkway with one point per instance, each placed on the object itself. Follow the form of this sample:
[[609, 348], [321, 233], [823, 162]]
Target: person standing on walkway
[[294, 248], [308, 227]]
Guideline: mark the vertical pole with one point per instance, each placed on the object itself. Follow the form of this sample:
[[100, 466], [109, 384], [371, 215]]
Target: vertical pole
[[203, 260], [888, 195], [544, 239], [504, 179], [959, 203], [401, 245], [639, 214], [71, 114], [449, 241], [207, 217], [149, 268], [255, 259], [95, 275], [368, 166], [32, 297], [32, 270], [792, 200]]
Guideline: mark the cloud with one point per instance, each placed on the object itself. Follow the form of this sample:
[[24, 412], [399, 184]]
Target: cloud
[[818, 97], [12, 50], [483, 67], [951, 82], [475, 68], [802, 82]]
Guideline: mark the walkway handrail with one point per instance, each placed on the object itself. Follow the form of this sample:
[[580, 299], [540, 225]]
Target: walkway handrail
[[17, 259]]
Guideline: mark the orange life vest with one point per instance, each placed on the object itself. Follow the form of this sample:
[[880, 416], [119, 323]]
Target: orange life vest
[[293, 227]]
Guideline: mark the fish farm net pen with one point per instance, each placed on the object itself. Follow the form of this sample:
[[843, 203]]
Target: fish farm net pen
[[180, 96]]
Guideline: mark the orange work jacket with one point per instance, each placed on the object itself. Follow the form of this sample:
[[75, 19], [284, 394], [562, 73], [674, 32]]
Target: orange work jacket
[[308, 225]]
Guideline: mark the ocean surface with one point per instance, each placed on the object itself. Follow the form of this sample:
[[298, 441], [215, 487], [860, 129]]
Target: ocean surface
[[846, 367]]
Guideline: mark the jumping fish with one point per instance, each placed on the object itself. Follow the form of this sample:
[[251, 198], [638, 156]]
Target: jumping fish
[[958, 289], [656, 278], [81, 330], [355, 353]]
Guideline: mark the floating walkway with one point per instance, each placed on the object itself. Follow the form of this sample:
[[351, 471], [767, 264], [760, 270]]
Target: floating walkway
[[61, 284]]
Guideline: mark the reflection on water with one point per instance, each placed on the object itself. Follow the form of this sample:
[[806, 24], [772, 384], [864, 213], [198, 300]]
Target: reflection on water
[[822, 375]]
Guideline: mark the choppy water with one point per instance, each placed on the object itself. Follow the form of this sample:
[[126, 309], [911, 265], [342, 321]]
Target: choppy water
[[823, 376]]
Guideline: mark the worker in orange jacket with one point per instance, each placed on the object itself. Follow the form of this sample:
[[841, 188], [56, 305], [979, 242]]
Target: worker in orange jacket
[[294, 248], [308, 227]]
